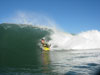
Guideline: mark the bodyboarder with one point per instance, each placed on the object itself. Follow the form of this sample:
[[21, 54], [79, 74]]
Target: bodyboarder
[[44, 43]]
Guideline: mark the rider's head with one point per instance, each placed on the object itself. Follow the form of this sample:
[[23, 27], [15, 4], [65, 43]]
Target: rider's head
[[42, 40]]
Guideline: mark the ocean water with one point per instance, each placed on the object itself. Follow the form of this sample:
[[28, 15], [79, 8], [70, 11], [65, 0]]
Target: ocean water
[[21, 54]]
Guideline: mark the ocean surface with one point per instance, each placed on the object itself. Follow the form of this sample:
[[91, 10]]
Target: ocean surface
[[21, 53]]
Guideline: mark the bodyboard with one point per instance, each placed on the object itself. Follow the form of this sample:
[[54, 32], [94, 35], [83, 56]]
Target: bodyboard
[[46, 48]]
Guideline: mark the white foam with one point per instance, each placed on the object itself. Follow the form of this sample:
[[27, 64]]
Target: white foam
[[84, 40]]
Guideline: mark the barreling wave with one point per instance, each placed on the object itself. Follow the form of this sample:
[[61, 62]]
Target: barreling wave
[[20, 41], [15, 36]]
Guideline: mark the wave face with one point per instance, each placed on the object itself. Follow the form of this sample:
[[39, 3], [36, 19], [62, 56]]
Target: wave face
[[20, 41]]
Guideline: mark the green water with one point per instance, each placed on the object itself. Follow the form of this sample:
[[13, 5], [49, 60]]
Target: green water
[[19, 46], [53, 63]]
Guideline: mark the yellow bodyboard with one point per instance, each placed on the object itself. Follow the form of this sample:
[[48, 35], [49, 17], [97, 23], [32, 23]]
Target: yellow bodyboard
[[46, 48]]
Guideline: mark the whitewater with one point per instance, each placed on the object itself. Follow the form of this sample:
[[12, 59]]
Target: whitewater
[[84, 40]]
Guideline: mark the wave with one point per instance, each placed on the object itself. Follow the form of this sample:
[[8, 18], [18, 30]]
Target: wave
[[23, 36], [19, 43]]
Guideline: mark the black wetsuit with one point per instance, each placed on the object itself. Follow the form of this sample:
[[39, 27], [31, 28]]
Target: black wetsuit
[[45, 45]]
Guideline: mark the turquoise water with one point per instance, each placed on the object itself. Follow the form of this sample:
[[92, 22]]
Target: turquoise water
[[20, 54]]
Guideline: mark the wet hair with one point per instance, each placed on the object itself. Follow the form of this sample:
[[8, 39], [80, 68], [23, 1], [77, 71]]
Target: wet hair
[[42, 39]]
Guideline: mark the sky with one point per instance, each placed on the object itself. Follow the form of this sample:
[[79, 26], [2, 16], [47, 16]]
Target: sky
[[73, 16]]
